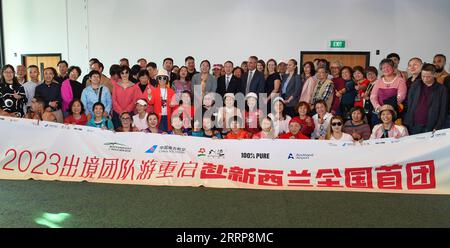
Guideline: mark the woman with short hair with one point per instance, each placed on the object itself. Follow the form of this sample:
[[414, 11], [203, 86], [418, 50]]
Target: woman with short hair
[[321, 119], [181, 84], [99, 120], [71, 88], [126, 123], [372, 76], [349, 94], [140, 118], [153, 124], [306, 121], [76, 113], [324, 89], [389, 89], [357, 126], [387, 128], [359, 76], [204, 79], [96, 93]]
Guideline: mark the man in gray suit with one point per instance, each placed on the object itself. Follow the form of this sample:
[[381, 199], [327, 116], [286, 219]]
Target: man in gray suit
[[253, 80]]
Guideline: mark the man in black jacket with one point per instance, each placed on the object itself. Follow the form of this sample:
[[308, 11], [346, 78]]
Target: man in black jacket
[[427, 103], [228, 83]]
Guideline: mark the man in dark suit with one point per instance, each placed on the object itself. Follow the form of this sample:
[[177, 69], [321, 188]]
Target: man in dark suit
[[228, 83], [168, 66], [427, 103], [253, 80]]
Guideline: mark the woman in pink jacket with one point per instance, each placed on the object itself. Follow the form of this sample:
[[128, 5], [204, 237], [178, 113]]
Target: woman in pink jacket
[[389, 89], [71, 89]]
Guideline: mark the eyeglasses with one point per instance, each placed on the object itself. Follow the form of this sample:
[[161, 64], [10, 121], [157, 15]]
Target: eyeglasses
[[336, 124], [126, 118], [162, 78]]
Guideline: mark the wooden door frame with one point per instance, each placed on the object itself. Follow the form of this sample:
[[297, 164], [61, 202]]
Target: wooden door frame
[[40, 55], [365, 53], [23, 56], [2, 40]]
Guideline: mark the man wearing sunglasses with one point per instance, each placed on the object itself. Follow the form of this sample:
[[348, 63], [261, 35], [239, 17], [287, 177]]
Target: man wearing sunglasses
[[163, 100]]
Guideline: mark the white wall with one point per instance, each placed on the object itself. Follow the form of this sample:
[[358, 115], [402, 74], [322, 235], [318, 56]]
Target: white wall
[[222, 30], [33, 26]]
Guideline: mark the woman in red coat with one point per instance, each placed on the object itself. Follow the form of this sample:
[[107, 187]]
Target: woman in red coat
[[163, 100]]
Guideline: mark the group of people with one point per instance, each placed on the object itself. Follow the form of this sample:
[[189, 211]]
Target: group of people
[[258, 99]]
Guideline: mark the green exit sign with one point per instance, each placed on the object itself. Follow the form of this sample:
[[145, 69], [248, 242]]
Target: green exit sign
[[337, 44]]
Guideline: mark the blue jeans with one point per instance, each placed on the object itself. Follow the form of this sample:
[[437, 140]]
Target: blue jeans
[[164, 125], [116, 120]]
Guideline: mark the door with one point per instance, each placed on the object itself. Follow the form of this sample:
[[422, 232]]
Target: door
[[351, 59], [42, 61]]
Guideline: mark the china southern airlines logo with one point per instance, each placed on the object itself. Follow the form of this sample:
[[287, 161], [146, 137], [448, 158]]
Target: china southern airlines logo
[[152, 150]]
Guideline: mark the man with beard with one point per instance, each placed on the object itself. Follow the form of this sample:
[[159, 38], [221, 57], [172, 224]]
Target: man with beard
[[443, 77]]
